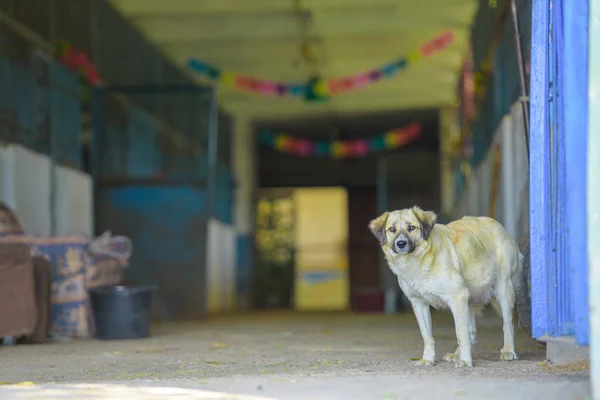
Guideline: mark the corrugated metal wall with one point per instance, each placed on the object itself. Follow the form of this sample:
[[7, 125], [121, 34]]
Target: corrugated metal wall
[[493, 32], [122, 54], [132, 145], [34, 14], [26, 106], [149, 151], [135, 144], [502, 89], [168, 227]]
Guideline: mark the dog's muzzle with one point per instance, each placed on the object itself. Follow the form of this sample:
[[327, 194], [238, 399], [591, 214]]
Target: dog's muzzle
[[403, 244]]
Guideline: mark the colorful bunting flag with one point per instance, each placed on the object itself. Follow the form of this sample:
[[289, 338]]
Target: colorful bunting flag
[[341, 148], [316, 89], [77, 60]]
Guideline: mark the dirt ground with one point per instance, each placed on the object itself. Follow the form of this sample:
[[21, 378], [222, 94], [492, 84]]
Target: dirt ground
[[296, 356]]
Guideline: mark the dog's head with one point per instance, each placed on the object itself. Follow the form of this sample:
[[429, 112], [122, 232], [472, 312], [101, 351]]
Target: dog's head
[[401, 231]]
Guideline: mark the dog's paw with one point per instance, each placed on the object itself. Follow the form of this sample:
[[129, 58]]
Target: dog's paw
[[464, 364], [451, 357], [508, 356], [429, 363]]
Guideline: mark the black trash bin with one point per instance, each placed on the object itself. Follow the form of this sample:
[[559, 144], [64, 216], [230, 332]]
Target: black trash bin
[[122, 312]]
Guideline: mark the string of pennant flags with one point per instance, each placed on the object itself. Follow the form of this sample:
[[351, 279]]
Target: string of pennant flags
[[78, 61], [339, 149], [317, 89]]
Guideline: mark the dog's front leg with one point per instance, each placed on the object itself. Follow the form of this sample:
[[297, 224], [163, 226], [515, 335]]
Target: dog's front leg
[[460, 311], [423, 314]]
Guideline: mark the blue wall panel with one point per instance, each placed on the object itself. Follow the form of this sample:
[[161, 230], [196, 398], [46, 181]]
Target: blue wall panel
[[167, 225], [576, 18], [26, 109], [558, 170], [539, 169], [143, 153]]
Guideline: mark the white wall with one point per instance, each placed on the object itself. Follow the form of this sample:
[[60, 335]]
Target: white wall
[[25, 186], [593, 196], [512, 196], [220, 271], [74, 202]]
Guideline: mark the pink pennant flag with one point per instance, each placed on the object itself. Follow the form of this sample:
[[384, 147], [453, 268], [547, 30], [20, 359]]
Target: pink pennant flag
[[304, 147], [360, 147], [268, 88], [444, 40], [438, 43], [361, 80]]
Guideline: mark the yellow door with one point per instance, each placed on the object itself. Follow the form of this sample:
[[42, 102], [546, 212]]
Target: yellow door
[[321, 275]]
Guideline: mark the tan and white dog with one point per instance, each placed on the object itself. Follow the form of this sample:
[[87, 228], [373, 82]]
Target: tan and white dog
[[461, 266]]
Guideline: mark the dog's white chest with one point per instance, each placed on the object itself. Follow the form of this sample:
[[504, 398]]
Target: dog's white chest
[[417, 290]]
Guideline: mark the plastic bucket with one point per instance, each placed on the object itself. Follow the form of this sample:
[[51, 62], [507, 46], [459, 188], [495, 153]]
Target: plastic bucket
[[122, 312]]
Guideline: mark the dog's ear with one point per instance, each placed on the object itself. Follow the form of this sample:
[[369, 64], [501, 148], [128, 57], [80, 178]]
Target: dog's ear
[[377, 227], [427, 220]]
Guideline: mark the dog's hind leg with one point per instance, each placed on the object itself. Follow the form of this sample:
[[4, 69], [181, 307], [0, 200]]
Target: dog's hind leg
[[459, 306], [505, 296], [474, 312]]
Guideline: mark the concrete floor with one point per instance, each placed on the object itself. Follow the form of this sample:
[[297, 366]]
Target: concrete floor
[[289, 356]]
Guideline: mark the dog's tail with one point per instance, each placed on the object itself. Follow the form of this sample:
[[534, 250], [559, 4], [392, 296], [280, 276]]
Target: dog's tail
[[519, 286]]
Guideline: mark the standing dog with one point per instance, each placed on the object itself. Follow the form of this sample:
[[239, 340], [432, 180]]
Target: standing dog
[[461, 266]]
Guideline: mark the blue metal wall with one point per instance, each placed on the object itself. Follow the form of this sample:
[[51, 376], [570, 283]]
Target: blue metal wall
[[152, 185], [558, 170], [131, 144], [167, 224], [26, 109]]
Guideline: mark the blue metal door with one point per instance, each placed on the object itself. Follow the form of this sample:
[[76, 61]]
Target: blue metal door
[[558, 160]]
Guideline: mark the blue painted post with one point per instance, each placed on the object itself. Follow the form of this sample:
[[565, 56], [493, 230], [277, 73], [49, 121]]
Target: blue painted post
[[559, 284], [539, 180], [212, 157], [575, 66]]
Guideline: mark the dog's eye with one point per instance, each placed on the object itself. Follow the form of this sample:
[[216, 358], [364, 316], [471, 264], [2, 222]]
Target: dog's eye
[[392, 229], [411, 228]]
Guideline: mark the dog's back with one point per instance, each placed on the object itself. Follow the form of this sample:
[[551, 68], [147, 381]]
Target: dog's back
[[486, 252]]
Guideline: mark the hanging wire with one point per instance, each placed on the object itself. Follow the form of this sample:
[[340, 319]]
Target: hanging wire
[[306, 50], [309, 57], [521, 67]]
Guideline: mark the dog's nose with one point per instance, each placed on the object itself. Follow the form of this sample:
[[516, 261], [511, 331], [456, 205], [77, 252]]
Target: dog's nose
[[401, 244]]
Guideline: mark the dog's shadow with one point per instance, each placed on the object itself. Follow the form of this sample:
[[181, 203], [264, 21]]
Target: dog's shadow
[[489, 338]]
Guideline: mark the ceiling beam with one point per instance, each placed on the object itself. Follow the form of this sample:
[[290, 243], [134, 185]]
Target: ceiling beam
[[382, 47], [306, 112], [277, 70], [179, 7], [364, 102], [262, 26]]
